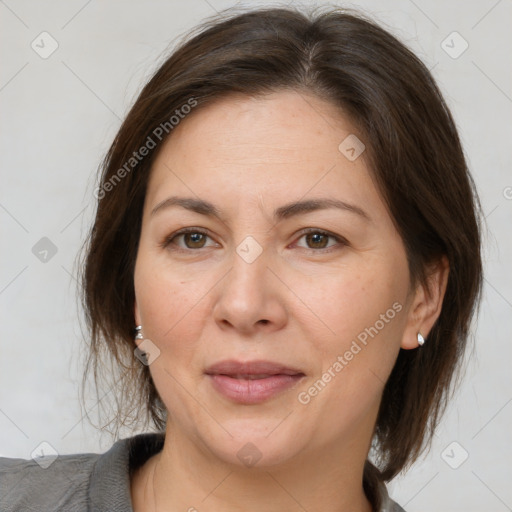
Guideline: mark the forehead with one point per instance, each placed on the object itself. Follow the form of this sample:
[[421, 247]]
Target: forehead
[[241, 147], [280, 121]]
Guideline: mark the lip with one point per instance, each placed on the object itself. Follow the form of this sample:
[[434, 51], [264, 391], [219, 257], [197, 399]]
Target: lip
[[242, 382], [256, 367]]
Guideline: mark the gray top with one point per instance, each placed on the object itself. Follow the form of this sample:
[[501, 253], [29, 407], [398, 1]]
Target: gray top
[[89, 482]]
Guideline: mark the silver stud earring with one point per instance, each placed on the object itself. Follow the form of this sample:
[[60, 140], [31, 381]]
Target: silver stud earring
[[421, 340], [139, 335]]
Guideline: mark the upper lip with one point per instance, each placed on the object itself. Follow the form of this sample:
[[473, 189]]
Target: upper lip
[[260, 367]]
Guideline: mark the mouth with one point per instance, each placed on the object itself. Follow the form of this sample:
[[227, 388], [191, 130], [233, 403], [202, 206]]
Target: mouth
[[251, 377], [252, 382]]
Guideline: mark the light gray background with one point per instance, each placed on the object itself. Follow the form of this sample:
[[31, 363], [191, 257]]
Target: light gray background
[[58, 118]]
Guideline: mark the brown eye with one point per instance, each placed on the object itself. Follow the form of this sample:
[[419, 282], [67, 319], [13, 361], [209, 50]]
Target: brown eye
[[317, 240], [187, 239], [194, 240]]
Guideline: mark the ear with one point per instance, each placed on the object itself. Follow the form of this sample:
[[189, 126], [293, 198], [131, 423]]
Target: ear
[[426, 304]]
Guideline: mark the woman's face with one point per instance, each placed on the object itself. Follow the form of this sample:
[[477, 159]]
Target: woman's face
[[322, 290]]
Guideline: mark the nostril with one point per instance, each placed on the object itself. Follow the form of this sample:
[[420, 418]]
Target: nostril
[[263, 321]]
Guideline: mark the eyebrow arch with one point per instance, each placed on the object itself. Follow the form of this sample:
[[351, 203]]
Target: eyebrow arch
[[283, 212], [310, 205], [190, 203]]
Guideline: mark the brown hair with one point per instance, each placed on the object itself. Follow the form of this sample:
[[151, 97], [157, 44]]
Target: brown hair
[[414, 154]]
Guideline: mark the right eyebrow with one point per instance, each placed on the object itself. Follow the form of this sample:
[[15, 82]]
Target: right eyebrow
[[189, 203]]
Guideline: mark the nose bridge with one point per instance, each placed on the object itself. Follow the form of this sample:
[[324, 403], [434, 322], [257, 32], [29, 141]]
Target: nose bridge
[[248, 278], [252, 254]]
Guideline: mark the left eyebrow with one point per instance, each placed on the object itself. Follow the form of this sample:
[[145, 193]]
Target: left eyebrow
[[283, 212], [300, 207]]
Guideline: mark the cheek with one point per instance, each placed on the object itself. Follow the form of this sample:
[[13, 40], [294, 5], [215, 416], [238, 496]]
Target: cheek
[[351, 300], [363, 313], [172, 314], [171, 311]]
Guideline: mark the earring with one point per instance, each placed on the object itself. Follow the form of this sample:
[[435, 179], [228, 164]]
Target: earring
[[139, 335], [421, 340]]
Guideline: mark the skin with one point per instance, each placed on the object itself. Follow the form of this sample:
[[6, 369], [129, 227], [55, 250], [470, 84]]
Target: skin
[[200, 302]]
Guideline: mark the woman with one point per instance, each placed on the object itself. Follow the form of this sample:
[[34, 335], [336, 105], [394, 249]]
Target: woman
[[284, 265]]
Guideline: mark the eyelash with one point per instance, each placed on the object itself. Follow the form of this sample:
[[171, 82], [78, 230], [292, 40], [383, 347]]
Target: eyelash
[[169, 240]]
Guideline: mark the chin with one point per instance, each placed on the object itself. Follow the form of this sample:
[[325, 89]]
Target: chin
[[255, 446]]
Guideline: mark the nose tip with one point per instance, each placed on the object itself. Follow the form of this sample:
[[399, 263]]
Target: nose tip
[[243, 323], [249, 297]]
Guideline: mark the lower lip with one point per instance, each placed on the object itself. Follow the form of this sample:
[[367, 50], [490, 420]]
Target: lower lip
[[245, 391]]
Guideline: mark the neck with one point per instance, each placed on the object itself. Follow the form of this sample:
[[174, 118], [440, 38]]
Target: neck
[[184, 477]]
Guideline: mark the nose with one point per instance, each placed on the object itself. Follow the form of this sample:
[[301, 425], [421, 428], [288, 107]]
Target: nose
[[251, 299]]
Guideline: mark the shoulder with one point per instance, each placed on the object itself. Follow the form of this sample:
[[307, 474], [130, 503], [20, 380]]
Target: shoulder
[[76, 482], [393, 507], [45, 484], [387, 504]]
